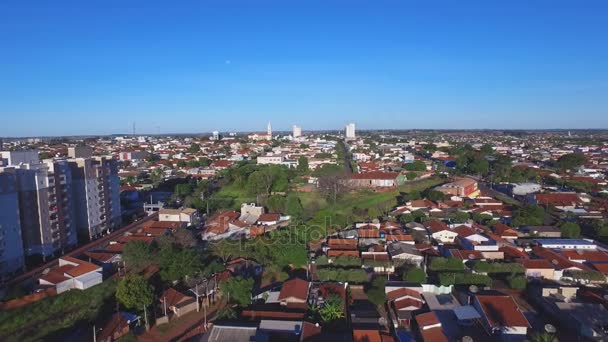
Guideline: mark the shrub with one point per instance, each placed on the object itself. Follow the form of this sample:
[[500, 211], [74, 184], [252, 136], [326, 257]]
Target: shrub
[[446, 264], [415, 275], [447, 279], [489, 267], [517, 282]]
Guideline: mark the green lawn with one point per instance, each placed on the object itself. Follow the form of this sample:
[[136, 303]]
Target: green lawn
[[343, 212]]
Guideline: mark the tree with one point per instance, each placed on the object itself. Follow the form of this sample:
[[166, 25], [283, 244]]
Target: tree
[[480, 167], [157, 176], [570, 161], [376, 293], [134, 292], [570, 230], [137, 255], [435, 195], [333, 185], [176, 264], [411, 175], [225, 249], [332, 309], [276, 203], [194, 148], [517, 282], [183, 190], [417, 165], [528, 215], [294, 207], [303, 165], [238, 290], [544, 337], [415, 275]]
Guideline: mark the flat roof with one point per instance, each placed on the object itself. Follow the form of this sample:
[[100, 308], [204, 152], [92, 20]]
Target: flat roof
[[564, 242]]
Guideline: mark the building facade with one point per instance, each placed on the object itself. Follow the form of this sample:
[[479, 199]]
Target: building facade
[[11, 244], [96, 196]]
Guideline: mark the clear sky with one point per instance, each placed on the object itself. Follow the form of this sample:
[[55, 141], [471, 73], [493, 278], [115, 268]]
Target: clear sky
[[94, 67]]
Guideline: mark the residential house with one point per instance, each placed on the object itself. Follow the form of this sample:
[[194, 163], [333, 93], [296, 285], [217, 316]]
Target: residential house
[[501, 315], [430, 328], [71, 274], [178, 302]]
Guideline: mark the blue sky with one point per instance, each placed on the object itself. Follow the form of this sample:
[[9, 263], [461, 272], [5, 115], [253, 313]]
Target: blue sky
[[94, 67]]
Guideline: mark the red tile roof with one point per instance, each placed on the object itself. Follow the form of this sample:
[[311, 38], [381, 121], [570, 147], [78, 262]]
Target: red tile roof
[[502, 311], [427, 319], [296, 288]]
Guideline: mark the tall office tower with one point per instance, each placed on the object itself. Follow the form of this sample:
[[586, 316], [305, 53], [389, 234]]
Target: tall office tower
[[11, 244], [350, 131], [96, 196], [269, 130], [215, 135], [297, 131]]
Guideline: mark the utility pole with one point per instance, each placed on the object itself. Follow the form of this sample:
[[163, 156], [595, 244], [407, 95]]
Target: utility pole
[[146, 319], [94, 334], [165, 305]]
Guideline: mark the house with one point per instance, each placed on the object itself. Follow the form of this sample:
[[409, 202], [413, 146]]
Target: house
[[540, 231], [408, 253], [566, 243], [440, 232], [116, 327], [566, 201], [178, 302], [185, 215], [430, 328], [538, 268], [294, 291], [501, 315], [71, 274], [461, 187], [505, 231], [403, 303], [376, 179]]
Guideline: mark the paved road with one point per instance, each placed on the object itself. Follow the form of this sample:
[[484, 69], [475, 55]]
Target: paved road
[[80, 250]]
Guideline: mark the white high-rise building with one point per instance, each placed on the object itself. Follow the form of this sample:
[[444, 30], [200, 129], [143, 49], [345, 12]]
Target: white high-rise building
[[215, 135], [297, 131], [269, 132], [350, 131]]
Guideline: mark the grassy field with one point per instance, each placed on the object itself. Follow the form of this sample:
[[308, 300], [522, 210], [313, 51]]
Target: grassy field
[[354, 207]]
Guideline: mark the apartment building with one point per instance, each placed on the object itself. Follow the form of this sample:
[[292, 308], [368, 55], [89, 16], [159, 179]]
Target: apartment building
[[11, 245], [96, 195]]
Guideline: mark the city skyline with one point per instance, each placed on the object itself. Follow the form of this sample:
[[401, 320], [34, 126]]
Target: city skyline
[[205, 66]]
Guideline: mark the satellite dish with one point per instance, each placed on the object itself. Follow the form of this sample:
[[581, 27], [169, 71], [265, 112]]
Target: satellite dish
[[473, 289], [550, 328]]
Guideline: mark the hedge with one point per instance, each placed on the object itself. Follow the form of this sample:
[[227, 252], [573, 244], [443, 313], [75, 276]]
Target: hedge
[[446, 264], [355, 275], [490, 267], [448, 278]]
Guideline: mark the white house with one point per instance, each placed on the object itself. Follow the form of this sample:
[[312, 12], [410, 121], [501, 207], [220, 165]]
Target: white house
[[71, 274]]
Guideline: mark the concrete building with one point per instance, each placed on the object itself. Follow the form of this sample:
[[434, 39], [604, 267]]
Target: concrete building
[[80, 152], [46, 210], [134, 155], [11, 244], [269, 130], [350, 131], [19, 157], [96, 196], [297, 131], [461, 187]]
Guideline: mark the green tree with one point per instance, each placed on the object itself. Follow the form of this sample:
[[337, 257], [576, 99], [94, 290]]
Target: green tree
[[376, 293], [183, 190], [570, 161], [415, 275], [411, 175], [332, 309], [294, 207], [238, 290], [194, 148], [303, 165], [176, 264], [276, 203], [137, 255], [417, 165], [570, 230], [528, 215], [435, 195], [134, 292]]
